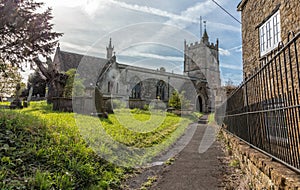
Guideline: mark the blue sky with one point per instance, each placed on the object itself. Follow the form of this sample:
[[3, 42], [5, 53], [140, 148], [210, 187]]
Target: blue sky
[[149, 33]]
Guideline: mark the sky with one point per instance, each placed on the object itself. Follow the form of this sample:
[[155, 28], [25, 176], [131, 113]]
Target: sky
[[149, 33]]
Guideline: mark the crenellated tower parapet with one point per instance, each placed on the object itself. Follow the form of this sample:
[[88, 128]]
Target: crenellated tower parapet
[[214, 46]]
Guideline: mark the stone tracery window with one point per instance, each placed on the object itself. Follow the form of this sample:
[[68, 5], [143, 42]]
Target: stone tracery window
[[160, 90], [136, 91]]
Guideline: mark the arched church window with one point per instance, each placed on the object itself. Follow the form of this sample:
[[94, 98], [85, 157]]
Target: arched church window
[[136, 91], [160, 90]]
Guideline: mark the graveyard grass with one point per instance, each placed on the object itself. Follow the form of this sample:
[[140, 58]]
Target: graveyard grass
[[43, 149]]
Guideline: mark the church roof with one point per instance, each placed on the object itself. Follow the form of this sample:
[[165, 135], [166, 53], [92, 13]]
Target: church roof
[[69, 60], [88, 67]]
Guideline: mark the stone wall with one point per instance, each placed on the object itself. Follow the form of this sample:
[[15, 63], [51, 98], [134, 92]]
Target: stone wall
[[140, 104], [253, 14], [261, 171], [62, 104], [127, 77]]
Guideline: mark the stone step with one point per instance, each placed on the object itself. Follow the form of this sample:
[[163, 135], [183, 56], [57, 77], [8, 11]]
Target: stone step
[[202, 121]]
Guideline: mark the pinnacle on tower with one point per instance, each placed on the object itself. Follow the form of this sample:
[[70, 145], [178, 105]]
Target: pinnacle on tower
[[109, 50], [205, 36]]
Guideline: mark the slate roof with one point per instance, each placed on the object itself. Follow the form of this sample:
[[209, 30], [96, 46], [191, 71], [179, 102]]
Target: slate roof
[[69, 60], [88, 67]]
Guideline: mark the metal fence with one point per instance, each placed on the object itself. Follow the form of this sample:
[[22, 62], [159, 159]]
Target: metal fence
[[264, 111]]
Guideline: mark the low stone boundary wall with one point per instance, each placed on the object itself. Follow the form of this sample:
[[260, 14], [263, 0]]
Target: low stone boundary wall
[[261, 170], [62, 104]]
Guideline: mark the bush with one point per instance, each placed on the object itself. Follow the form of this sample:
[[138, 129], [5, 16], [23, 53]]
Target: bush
[[74, 85], [118, 104], [146, 107], [178, 101]]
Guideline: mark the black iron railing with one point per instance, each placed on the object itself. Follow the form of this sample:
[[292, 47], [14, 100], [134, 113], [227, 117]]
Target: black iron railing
[[265, 110]]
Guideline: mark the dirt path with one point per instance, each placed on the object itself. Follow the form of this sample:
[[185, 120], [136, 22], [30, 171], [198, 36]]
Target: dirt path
[[193, 170]]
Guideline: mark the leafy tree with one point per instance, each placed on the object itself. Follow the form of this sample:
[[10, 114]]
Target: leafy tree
[[25, 32], [178, 100], [74, 85], [174, 100], [9, 80]]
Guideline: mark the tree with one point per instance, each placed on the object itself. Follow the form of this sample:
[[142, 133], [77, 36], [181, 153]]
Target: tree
[[9, 80], [174, 100], [25, 32], [74, 85], [178, 100], [229, 87], [56, 81]]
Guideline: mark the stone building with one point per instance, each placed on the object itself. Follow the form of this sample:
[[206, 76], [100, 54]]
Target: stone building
[[138, 86], [271, 44], [264, 24]]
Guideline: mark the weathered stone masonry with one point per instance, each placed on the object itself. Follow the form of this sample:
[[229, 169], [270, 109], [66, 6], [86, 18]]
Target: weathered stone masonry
[[254, 13], [260, 170]]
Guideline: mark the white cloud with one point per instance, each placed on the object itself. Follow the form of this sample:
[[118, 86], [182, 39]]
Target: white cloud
[[239, 49], [236, 49], [224, 52], [231, 66], [186, 17], [89, 7], [151, 56], [150, 10]]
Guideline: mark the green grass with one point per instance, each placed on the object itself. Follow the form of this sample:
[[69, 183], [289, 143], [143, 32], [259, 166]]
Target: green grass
[[197, 114], [42, 149], [4, 103], [141, 136], [149, 182], [211, 118]]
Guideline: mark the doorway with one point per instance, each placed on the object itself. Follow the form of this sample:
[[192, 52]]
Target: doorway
[[199, 104]]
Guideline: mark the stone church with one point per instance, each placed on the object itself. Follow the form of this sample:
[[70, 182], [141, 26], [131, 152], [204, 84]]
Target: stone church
[[139, 86]]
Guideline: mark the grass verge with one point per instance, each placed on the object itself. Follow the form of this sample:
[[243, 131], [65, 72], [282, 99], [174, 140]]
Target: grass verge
[[43, 149], [211, 118]]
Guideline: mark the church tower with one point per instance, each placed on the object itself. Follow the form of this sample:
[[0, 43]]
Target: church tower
[[109, 50], [201, 59]]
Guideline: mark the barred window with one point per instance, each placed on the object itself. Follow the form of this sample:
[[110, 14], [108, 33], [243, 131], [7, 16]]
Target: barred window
[[269, 34]]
